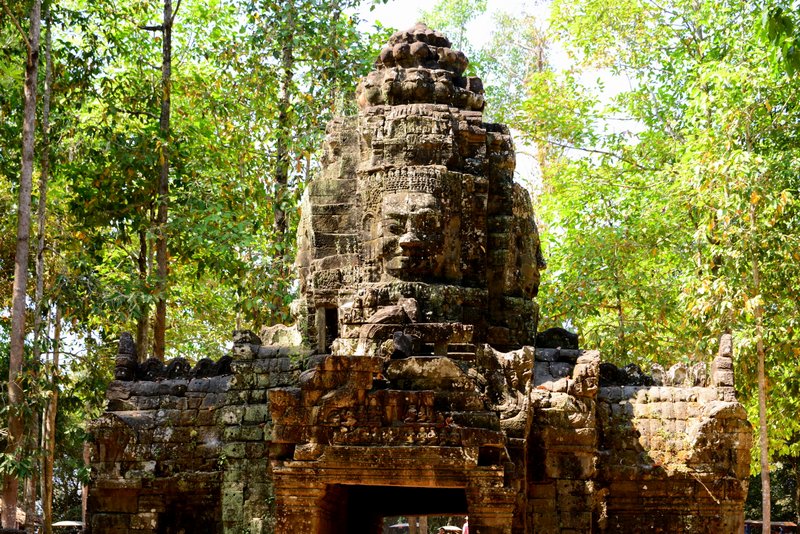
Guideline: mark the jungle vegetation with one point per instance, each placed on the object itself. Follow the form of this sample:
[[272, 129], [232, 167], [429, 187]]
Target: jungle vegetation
[[153, 154]]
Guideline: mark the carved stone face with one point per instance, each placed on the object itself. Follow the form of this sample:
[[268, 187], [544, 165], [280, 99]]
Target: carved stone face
[[417, 239], [124, 373]]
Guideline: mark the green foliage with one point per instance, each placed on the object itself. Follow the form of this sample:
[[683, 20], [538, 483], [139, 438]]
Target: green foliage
[[229, 268], [608, 274], [779, 28], [687, 218], [783, 486], [451, 18]]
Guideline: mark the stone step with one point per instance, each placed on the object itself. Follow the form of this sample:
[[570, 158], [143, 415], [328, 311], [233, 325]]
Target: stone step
[[461, 356]]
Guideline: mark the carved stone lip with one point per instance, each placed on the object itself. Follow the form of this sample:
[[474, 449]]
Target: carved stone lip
[[400, 263]]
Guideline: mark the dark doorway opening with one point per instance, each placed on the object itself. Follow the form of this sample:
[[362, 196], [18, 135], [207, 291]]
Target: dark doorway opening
[[361, 509], [331, 327], [189, 518]]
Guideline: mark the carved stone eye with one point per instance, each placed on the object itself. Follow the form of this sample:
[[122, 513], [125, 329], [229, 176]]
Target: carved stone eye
[[393, 227]]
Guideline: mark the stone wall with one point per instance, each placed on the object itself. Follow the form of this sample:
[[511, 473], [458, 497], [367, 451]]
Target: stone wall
[[683, 454], [156, 455], [574, 452], [563, 441], [669, 458], [189, 454], [680, 451]]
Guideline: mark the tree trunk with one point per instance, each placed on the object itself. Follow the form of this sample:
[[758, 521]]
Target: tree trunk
[[143, 322], [49, 433], [758, 315], [762, 420], [32, 482], [44, 176], [17, 341], [796, 469], [160, 326], [284, 128], [41, 213]]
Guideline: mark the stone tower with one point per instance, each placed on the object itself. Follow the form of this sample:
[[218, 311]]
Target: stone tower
[[416, 205], [417, 252]]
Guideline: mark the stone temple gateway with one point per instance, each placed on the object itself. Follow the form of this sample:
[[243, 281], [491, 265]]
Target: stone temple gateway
[[415, 382]]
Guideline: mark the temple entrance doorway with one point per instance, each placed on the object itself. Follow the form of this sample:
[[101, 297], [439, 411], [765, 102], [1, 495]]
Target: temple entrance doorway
[[355, 509]]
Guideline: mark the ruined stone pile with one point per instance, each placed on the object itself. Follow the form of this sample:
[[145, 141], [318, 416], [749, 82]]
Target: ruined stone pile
[[419, 65]]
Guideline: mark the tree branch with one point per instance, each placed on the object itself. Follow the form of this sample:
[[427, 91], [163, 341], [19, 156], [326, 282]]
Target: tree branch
[[17, 25], [174, 13], [133, 257], [137, 113], [595, 151]]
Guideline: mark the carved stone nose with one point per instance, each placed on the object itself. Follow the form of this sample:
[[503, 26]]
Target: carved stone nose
[[409, 240]]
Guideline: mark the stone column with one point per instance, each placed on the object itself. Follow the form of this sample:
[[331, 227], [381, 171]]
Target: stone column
[[299, 509], [491, 510]]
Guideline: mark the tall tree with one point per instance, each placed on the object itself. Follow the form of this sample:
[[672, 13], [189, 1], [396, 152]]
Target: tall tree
[[40, 307], [160, 326], [17, 342], [32, 481], [713, 150]]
